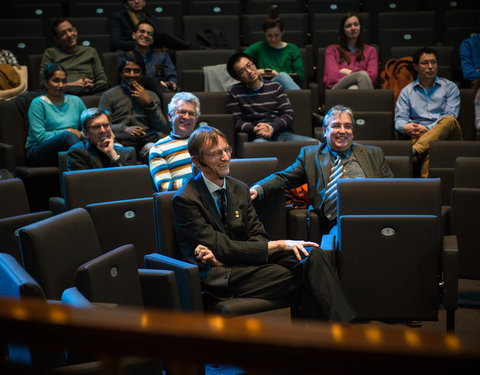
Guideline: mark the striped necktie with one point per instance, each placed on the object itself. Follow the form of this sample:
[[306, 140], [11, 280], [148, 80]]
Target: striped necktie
[[330, 204]]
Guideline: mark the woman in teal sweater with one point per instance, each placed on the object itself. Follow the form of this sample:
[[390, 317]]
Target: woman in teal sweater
[[276, 57], [54, 120]]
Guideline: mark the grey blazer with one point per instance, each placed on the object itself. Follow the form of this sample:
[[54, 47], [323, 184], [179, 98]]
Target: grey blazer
[[313, 167]]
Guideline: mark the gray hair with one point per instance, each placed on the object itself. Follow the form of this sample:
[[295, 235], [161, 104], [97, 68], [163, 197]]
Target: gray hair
[[90, 113], [182, 97], [336, 110]]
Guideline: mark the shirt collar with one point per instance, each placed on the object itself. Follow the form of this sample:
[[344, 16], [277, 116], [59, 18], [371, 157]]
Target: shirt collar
[[212, 187], [436, 82], [344, 155]]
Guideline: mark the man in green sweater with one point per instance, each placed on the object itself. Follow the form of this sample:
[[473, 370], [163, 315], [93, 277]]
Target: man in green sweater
[[85, 74]]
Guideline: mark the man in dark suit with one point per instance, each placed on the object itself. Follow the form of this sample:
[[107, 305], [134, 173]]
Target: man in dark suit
[[123, 23], [98, 150], [314, 164], [217, 228]]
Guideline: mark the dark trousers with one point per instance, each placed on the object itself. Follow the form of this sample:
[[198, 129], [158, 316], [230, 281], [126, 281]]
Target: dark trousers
[[46, 153], [312, 283]]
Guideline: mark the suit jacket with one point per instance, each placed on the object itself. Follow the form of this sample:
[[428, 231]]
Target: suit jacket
[[313, 167], [84, 155], [198, 222]]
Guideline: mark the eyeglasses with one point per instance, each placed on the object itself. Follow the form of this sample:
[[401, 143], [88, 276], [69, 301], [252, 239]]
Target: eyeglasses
[[142, 31], [97, 127], [428, 62], [183, 113], [250, 66], [130, 70], [219, 153], [347, 127]]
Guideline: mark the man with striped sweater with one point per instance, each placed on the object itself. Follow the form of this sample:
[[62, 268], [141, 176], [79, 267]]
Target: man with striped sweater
[[259, 107], [170, 163]]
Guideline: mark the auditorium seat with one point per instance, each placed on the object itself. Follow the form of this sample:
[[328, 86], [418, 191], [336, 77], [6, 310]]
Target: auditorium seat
[[285, 6], [15, 213], [443, 155], [392, 255], [464, 218], [332, 6], [227, 24], [216, 7]]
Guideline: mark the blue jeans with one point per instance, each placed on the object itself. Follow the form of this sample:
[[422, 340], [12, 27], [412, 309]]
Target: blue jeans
[[286, 81], [46, 153], [285, 137]]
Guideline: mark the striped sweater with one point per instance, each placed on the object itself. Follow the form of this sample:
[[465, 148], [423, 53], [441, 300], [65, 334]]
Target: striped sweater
[[170, 163], [269, 103]]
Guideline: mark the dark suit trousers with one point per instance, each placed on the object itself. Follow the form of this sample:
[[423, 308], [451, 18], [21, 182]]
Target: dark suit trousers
[[312, 283]]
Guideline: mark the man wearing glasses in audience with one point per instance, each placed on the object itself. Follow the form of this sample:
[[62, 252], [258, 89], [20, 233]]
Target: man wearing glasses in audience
[[217, 229], [137, 117], [99, 149], [170, 162], [427, 109]]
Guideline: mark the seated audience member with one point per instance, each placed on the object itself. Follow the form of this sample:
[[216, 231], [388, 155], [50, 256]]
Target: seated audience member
[[321, 166], [123, 23], [276, 57], [137, 118], [161, 75], [217, 229], [170, 163], [99, 149], [260, 108], [350, 64], [82, 64], [470, 58], [54, 120], [427, 108]]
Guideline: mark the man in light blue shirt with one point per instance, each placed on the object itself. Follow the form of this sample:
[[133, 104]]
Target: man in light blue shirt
[[427, 108]]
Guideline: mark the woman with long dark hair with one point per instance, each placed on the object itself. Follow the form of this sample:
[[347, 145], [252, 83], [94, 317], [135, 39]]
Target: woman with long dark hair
[[54, 120], [350, 64]]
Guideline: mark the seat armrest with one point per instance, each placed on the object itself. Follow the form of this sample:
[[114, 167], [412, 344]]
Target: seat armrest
[[7, 158], [159, 289], [328, 246], [241, 138], [57, 205], [450, 273], [186, 275], [73, 297], [297, 224]]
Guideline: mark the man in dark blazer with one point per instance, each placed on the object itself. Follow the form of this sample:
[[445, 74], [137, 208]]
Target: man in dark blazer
[[218, 229], [314, 163], [123, 23], [99, 149]]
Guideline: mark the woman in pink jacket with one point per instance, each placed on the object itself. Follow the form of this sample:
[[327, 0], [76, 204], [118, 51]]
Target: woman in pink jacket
[[350, 64]]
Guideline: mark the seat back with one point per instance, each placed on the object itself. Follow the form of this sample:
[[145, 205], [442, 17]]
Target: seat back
[[390, 247], [52, 249], [389, 196], [361, 100], [13, 198], [227, 24], [107, 184], [301, 101], [127, 221], [442, 161], [111, 278], [285, 152], [400, 166], [164, 229], [467, 172], [15, 281], [464, 219]]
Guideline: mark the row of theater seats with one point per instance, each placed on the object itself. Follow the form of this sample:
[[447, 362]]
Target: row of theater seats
[[416, 28], [71, 265], [373, 109]]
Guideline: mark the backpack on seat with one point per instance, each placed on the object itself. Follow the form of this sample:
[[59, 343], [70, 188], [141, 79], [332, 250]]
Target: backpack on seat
[[397, 74], [212, 39]]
